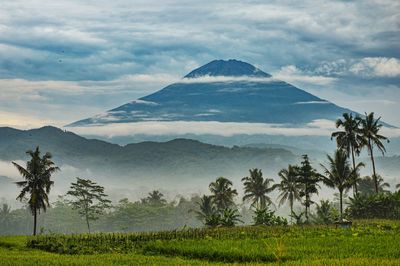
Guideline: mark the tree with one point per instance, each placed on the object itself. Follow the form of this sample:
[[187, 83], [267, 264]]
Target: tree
[[398, 186], [367, 185], [289, 186], [339, 174], [308, 178], [90, 199], [5, 215], [230, 217], [155, 198], [256, 189], [208, 213], [349, 139], [37, 183], [370, 137], [222, 193], [267, 217], [325, 213]]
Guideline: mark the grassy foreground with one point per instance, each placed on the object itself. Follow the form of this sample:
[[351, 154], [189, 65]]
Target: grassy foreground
[[366, 243]]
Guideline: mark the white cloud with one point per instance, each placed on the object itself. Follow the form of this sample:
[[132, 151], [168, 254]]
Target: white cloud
[[319, 127], [377, 66], [293, 74]]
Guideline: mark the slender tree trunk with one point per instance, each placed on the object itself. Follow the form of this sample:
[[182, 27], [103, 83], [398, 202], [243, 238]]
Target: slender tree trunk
[[341, 204], [373, 166], [34, 221], [307, 201], [291, 211], [355, 190], [87, 222]]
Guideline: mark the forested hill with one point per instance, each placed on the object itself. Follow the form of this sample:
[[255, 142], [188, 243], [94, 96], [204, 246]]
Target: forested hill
[[178, 158]]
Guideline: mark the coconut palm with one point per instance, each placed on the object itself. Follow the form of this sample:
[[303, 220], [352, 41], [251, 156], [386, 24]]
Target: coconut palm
[[155, 198], [256, 189], [367, 185], [349, 139], [370, 137], [339, 174], [37, 184], [222, 193], [289, 186], [207, 213]]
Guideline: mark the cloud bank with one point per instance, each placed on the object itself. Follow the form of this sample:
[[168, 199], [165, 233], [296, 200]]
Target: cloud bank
[[316, 128]]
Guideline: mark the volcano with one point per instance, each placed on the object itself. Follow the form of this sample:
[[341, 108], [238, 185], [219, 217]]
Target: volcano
[[224, 91]]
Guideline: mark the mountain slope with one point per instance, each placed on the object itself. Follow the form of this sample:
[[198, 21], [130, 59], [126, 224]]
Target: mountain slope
[[243, 94], [179, 159]]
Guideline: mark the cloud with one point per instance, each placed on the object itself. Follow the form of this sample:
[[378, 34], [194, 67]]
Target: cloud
[[292, 74], [377, 66], [86, 57], [320, 127]]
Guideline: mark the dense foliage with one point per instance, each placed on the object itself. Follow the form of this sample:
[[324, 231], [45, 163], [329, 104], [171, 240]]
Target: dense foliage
[[384, 205], [291, 245]]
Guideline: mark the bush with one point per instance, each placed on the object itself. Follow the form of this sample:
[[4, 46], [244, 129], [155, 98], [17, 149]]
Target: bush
[[267, 217]]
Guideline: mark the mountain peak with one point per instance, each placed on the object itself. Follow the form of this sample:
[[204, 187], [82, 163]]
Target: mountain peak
[[231, 68]]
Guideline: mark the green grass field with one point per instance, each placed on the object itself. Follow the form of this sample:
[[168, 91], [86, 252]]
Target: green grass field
[[366, 243]]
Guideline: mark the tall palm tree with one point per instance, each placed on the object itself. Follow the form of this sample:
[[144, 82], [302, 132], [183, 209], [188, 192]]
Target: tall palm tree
[[289, 186], [339, 174], [37, 182], [256, 189], [398, 187], [370, 137], [222, 193], [349, 139]]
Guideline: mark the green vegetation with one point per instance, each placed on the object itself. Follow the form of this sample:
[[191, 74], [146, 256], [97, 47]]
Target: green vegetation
[[89, 199], [37, 182], [271, 239], [370, 242]]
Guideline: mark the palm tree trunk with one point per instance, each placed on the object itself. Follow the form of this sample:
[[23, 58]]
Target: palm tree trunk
[[355, 190], [371, 151], [341, 204], [34, 221], [291, 211]]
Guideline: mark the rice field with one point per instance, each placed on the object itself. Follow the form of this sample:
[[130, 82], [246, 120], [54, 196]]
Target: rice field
[[365, 243]]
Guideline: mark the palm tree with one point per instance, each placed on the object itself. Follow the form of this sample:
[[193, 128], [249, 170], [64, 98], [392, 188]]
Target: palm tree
[[367, 185], [155, 198], [369, 129], [222, 193], [256, 189], [207, 213], [398, 186], [37, 182], [339, 174], [349, 139], [289, 186]]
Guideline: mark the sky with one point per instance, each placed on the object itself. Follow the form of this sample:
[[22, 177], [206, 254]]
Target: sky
[[61, 61]]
